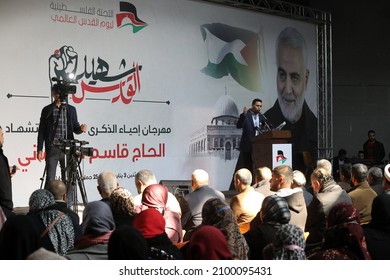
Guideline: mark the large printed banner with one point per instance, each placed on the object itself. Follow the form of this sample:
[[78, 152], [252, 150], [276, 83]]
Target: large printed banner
[[159, 83]]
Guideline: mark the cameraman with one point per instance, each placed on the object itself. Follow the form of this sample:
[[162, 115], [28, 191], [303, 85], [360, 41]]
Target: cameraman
[[58, 122]]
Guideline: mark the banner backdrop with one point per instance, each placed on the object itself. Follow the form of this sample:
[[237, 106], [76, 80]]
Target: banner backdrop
[[159, 83]]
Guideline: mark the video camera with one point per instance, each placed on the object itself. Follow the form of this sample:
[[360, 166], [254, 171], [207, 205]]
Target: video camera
[[76, 148], [64, 88]]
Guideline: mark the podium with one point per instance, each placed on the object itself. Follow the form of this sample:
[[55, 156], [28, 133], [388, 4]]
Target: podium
[[262, 146]]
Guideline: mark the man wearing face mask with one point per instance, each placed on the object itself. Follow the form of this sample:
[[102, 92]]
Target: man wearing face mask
[[291, 107]]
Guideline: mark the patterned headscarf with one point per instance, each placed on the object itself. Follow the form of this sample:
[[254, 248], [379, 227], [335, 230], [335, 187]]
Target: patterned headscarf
[[207, 243], [344, 231], [216, 212], [122, 202], [289, 243], [61, 233], [275, 211]]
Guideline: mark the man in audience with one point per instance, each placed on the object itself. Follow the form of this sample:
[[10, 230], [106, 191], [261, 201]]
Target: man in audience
[[375, 178], [192, 203], [281, 181], [59, 191], [144, 178], [345, 177], [362, 195], [299, 181], [263, 175], [337, 161], [247, 203], [326, 195], [107, 182]]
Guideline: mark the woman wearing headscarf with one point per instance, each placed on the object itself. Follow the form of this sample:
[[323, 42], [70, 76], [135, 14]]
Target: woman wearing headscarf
[[56, 228], [98, 224], [156, 197], [273, 214], [151, 224], [216, 212], [207, 243], [344, 236], [289, 244], [122, 207]]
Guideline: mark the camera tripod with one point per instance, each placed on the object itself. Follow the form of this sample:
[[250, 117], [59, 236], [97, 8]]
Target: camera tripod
[[71, 173]]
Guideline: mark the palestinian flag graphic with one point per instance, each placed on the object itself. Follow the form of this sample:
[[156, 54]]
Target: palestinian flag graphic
[[129, 11], [232, 51]]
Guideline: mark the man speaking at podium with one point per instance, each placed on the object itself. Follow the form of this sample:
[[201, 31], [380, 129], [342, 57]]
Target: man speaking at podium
[[252, 123]]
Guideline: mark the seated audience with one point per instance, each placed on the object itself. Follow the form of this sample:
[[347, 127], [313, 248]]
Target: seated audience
[[377, 232], [216, 212], [58, 189], [145, 178], [20, 240], [281, 182], [274, 213], [55, 227], [288, 244], [127, 243], [299, 181], [156, 196], [247, 203], [107, 182], [362, 195], [375, 179], [98, 224], [122, 207], [192, 203], [344, 237], [263, 175], [345, 177], [326, 194], [337, 161], [207, 243], [151, 224]]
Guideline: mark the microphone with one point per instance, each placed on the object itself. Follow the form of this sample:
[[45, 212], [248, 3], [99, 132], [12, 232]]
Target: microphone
[[267, 121], [54, 79], [82, 143]]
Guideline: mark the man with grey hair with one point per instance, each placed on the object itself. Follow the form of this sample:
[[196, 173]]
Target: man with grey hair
[[326, 164], [192, 203], [247, 203], [362, 195], [299, 181], [291, 107], [107, 183], [374, 179], [145, 178]]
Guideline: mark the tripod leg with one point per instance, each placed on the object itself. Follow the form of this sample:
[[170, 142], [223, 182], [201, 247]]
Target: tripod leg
[[43, 175], [83, 193]]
